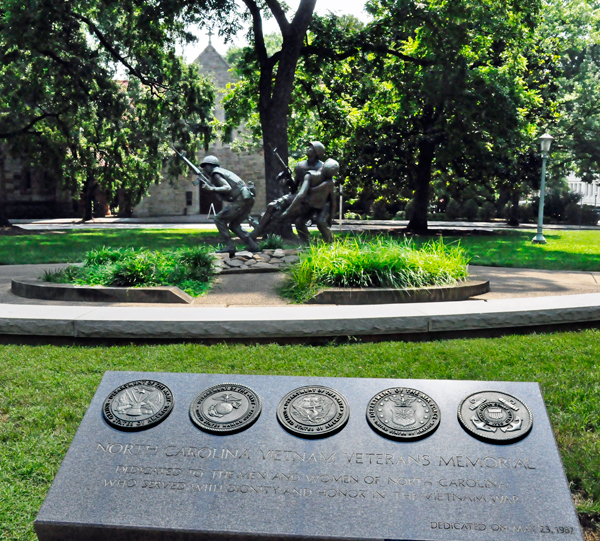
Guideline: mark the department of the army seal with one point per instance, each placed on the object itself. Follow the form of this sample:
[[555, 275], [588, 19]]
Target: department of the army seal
[[403, 414], [495, 417], [138, 405], [314, 411], [225, 408]]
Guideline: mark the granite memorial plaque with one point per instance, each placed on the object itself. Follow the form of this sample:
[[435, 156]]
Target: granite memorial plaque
[[485, 468]]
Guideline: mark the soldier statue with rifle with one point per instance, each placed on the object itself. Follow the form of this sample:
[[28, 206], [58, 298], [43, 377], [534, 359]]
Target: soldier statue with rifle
[[232, 189], [276, 210]]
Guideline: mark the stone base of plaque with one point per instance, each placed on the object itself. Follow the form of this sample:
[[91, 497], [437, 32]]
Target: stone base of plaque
[[174, 481]]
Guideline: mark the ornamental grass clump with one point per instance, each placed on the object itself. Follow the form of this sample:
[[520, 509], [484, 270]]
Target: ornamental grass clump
[[382, 262], [189, 269]]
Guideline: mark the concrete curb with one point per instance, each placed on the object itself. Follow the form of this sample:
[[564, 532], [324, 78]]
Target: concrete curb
[[295, 322], [385, 295], [35, 289]]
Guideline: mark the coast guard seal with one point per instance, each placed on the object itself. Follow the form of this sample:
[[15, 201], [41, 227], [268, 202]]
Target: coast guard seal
[[226, 408], [495, 417], [401, 413], [138, 405], [313, 411]]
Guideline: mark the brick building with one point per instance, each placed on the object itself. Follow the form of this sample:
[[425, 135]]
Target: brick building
[[180, 197]]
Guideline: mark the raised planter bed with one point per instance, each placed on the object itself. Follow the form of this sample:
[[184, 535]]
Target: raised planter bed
[[375, 295], [36, 289]]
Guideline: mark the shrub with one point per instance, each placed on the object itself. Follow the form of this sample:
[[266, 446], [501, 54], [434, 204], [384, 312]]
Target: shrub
[[380, 211], [188, 268], [487, 211], [526, 213], [452, 210], [271, 242], [382, 262], [470, 210]]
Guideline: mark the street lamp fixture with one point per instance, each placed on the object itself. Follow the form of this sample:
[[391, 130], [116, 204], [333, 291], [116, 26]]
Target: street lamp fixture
[[545, 142]]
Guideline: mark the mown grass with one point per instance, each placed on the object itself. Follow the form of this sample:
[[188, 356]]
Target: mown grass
[[45, 390], [565, 250], [71, 246], [189, 269], [378, 262]]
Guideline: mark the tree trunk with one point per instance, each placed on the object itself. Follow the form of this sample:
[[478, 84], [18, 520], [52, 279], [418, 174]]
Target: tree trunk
[[274, 128], [3, 215], [513, 213], [87, 196], [418, 222]]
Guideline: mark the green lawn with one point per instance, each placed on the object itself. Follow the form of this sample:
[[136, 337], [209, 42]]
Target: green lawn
[[45, 390], [565, 250], [70, 246]]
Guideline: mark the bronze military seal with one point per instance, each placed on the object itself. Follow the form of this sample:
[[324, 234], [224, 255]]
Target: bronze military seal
[[138, 405], [313, 411], [401, 413], [226, 408], [495, 417]]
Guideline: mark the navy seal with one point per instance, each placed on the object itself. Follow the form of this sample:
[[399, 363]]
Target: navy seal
[[313, 411]]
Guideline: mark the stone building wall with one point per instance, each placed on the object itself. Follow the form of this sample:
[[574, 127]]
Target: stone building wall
[[169, 198], [31, 192]]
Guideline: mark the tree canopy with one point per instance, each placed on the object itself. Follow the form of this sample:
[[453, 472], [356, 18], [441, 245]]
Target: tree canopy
[[63, 106]]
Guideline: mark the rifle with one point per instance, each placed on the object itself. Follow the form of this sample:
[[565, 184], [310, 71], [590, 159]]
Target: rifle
[[201, 176], [285, 165]]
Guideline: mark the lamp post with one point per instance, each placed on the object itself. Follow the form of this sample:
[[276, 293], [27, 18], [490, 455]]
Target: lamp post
[[545, 142]]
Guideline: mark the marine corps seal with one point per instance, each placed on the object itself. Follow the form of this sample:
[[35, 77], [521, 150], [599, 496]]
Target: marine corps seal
[[138, 405], [226, 408], [401, 413], [314, 411], [495, 417]]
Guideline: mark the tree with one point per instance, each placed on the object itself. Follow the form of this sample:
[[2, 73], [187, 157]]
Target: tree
[[430, 90], [60, 102]]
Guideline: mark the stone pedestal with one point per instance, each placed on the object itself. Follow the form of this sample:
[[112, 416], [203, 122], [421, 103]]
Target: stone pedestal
[[176, 482]]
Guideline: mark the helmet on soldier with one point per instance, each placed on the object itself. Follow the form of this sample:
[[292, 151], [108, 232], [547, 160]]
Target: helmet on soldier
[[210, 160], [319, 149], [330, 168]]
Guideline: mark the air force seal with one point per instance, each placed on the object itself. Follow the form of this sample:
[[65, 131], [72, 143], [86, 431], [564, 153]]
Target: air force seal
[[403, 414], [495, 417]]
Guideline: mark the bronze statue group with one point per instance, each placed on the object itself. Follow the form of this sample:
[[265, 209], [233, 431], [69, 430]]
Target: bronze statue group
[[308, 196]]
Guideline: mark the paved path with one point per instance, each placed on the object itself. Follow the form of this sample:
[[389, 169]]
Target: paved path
[[201, 221], [262, 289]]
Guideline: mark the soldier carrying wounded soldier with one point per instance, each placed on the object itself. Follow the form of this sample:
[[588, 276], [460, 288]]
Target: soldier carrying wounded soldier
[[310, 198]]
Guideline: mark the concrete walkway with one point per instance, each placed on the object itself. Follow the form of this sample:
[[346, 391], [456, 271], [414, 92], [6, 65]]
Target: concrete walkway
[[202, 221], [248, 308]]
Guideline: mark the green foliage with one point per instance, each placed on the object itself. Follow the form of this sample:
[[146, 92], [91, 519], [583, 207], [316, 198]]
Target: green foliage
[[470, 210], [452, 210], [62, 107], [188, 268], [487, 211], [272, 242], [383, 262]]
